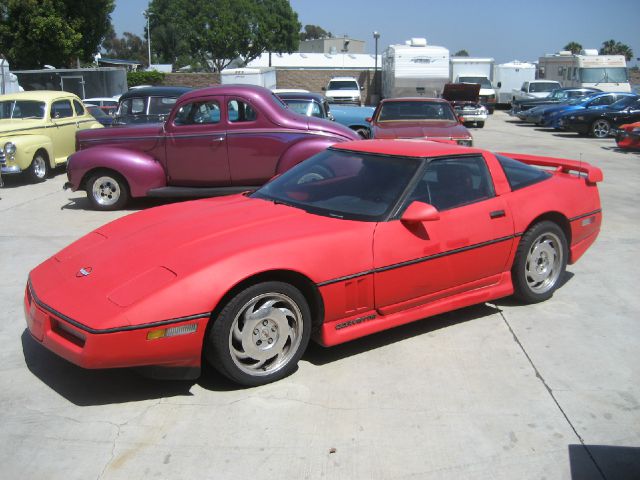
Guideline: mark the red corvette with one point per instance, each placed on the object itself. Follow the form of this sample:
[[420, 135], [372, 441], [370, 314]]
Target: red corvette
[[363, 237], [628, 136]]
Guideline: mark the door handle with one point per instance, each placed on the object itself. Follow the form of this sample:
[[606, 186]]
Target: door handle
[[218, 139], [497, 214]]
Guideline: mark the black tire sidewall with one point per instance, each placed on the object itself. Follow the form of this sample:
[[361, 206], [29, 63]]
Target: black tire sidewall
[[521, 287], [217, 340]]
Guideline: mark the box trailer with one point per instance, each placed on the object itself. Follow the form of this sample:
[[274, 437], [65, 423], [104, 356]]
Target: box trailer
[[261, 76], [414, 69], [511, 76], [475, 70], [588, 69]]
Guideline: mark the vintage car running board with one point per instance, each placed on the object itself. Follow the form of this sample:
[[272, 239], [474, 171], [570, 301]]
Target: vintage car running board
[[168, 192]]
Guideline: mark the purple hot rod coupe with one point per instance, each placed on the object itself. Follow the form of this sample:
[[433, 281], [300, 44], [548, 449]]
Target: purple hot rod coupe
[[215, 141]]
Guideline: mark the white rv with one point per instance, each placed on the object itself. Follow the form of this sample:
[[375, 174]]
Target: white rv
[[475, 70], [511, 76], [414, 69], [606, 72], [262, 76]]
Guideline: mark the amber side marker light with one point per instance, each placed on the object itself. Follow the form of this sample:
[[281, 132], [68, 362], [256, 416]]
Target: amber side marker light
[[172, 332]]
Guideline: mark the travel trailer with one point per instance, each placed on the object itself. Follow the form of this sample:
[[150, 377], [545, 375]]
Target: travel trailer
[[606, 72], [261, 76], [414, 69], [510, 76]]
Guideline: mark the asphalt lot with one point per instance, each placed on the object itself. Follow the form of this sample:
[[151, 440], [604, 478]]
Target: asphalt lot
[[496, 391]]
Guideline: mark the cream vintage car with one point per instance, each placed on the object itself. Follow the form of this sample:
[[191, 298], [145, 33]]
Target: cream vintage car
[[38, 131]]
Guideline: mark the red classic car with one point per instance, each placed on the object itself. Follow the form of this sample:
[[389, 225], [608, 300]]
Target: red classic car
[[420, 117], [215, 141], [360, 238], [628, 136]]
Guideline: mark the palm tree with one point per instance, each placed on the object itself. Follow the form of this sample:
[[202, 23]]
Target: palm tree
[[573, 47], [611, 47]]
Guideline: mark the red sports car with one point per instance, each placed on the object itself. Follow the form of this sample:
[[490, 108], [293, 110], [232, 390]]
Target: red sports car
[[425, 118], [362, 237], [628, 136]]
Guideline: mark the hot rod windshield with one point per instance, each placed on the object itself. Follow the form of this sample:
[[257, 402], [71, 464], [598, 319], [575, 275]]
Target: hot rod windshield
[[343, 184], [22, 109]]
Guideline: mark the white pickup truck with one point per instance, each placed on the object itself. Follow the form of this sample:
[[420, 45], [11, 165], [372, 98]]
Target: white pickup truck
[[535, 89]]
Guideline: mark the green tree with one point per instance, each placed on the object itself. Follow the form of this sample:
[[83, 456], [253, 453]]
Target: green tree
[[573, 47], [128, 47], [56, 32], [461, 53], [312, 32], [611, 47]]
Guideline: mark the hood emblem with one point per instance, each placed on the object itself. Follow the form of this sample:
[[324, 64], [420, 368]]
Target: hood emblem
[[84, 272]]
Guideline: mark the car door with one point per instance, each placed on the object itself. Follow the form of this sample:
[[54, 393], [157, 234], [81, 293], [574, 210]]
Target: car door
[[63, 131], [196, 144], [466, 248]]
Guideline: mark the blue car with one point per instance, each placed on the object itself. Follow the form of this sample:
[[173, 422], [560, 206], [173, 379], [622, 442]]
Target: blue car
[[354, 117], [551, 116]]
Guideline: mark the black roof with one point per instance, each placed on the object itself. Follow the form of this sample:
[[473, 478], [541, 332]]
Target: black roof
[[302, 96], [155, 92]]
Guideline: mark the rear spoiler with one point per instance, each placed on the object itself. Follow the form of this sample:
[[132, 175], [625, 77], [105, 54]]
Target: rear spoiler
[[594, 174]]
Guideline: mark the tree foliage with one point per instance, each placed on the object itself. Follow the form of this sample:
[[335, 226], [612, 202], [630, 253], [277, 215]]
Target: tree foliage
[[128, 47], [313, 32], [461, 53], [573, 47], [56, 32], [144, 78], [213, 33], [611, 47]]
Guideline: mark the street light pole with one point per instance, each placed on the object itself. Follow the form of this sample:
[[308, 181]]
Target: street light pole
[[146, 14], [376, 36]]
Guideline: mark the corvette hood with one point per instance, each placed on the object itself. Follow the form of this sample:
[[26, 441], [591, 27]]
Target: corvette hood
[[100, 279], [435, 128]]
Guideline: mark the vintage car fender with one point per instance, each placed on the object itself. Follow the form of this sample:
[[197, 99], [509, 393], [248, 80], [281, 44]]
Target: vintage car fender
[[27, 146], [302, 150], [140, 170]]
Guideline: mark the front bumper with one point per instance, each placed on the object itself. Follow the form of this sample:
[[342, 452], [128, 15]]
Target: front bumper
[[10, 170], [112, 348]]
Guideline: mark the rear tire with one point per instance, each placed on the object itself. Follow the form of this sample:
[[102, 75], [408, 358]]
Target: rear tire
[[600, 128], [540, 262], [38, 171], [260, 334], [107, 191], [480, 124]]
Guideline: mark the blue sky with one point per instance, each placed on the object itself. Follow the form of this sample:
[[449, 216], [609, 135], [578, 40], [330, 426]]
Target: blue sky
[[503, 29]]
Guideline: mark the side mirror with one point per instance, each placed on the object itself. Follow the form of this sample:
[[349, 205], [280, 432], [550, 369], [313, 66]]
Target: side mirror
[[368, 119], [499, 84], [419, 212], [324, 89], [362, 88]]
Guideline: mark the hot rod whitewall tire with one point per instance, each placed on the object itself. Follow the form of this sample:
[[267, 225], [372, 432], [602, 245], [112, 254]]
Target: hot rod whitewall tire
[[540, 262], [39, 168], [107, 190], [260, 334]]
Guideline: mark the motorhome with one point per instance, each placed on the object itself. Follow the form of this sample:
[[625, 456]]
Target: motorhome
[[588, 69], [414, 69], [475, 70], [511, 76]]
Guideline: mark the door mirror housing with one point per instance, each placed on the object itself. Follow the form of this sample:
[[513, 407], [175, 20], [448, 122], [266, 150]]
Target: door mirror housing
[[419, 212]]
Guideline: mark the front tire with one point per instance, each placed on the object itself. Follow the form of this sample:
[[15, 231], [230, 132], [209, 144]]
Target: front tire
[[107, 191], [260, 334], [39, 168], [540, 263], [600, 128]]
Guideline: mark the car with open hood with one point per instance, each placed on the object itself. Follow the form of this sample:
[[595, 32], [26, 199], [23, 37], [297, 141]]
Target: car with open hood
[[362, 237], [628, 136], [215, 141], [418, 117], [38, 131], [465, 99]]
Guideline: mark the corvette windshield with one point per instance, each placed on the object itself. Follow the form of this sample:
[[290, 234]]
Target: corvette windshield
[[343, 184], [415, 110], [21, 109]]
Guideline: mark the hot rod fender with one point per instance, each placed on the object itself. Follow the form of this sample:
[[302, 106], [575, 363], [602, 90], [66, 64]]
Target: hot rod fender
[[28, 145], [303, 150], [141, 171]]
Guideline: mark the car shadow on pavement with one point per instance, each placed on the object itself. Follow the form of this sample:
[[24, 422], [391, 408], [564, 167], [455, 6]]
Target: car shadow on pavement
[[319, 355], [614, 462], [134, 205], [621, 150], [512, 301], [95, 387]]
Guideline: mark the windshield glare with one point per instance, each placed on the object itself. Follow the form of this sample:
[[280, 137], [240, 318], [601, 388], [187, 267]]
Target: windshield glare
[[415, 110], [21, 109], [603, 75], [343, 184], [308, 108]]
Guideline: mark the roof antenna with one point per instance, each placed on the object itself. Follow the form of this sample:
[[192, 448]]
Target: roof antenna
[[580, 171]]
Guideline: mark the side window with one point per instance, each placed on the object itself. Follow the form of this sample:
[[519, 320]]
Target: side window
[[161, 105], [315, 110], [239, 111], [79, 108], [132, 106], [61, 109], [197, 113], [520, 175], [452, 182], [604, 100]]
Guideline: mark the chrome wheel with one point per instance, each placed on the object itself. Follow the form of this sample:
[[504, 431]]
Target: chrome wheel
[[39, 169], [106, 191], [266, 334], [600, 128], [544, 263]]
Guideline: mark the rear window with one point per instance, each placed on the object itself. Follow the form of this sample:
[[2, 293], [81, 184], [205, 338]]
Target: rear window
[[520, 175]]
